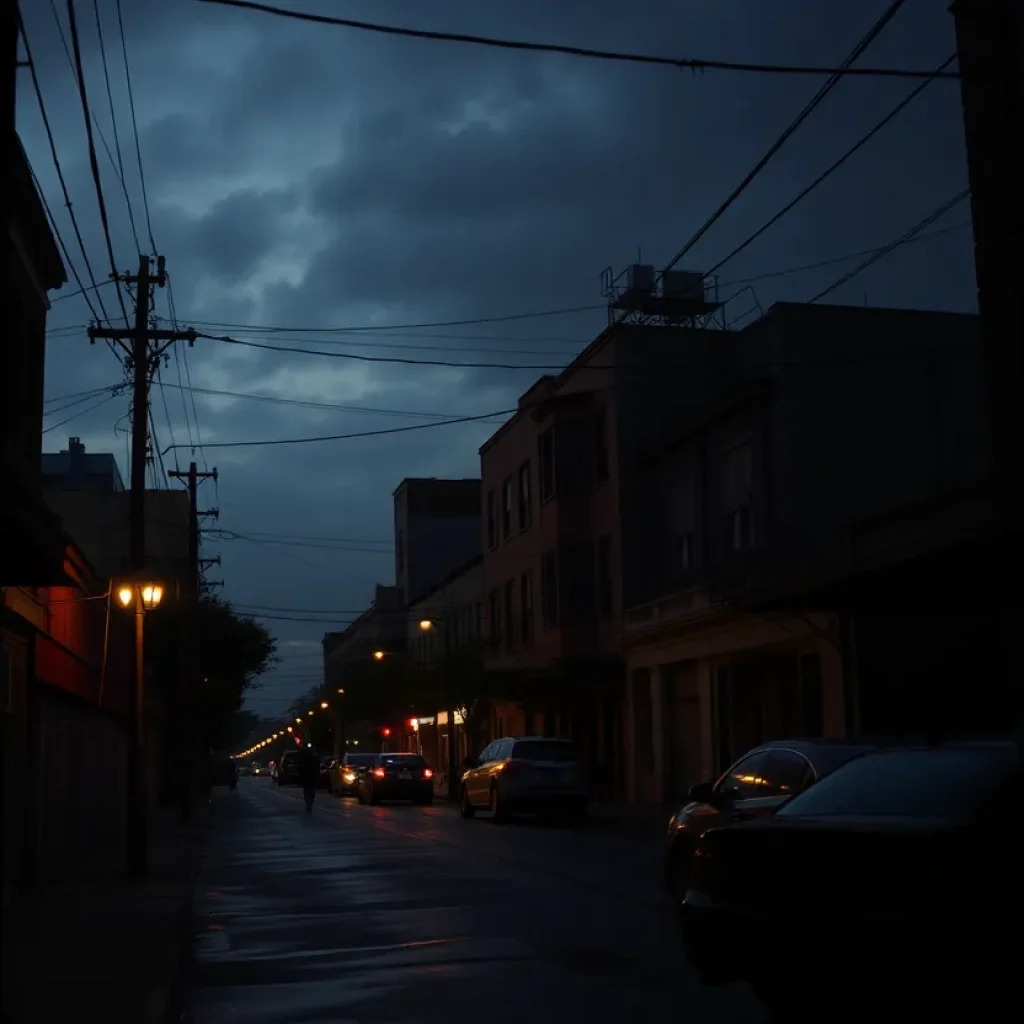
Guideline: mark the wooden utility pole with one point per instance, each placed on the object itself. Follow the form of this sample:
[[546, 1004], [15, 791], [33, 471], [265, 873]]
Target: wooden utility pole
[[188, 696], [990, 42], [144, 345]]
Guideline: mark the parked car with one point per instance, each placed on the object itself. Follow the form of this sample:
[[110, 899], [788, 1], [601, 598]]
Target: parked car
[[882, 881], [525, 773], [397, 777], [755, 786], [288, 768], [352, 767], [327, 767]]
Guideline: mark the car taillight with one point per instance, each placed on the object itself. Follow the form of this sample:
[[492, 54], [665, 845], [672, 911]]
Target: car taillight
[[428, 773], [378, 773], [700, 869]]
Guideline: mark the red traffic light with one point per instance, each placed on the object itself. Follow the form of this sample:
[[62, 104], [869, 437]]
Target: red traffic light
[[385, 731]]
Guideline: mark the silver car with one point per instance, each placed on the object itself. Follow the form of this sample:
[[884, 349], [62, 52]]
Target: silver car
[[525, 773]]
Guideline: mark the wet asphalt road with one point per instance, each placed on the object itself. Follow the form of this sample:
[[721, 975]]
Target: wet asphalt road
[[410, 915]]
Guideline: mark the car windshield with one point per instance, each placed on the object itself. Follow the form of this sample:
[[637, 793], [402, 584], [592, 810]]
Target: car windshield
[[942, 784], [360, 759], [403, 760], [545, 750]]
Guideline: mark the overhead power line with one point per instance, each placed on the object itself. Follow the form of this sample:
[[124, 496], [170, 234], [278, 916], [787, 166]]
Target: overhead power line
[[815, 101], [907, 236], [81, 412], [833, 167], [63, 186], [684, 63], [94, 165]]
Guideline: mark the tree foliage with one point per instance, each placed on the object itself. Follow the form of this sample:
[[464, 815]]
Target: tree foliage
[[232, 652]]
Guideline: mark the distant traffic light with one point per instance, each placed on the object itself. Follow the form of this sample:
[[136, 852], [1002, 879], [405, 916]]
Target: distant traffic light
[[385, 731]]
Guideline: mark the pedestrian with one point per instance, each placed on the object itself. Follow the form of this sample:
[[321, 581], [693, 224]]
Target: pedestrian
[[309, 775]]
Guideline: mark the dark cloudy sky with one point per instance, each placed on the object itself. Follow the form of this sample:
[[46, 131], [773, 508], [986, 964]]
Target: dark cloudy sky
[[303, 176]]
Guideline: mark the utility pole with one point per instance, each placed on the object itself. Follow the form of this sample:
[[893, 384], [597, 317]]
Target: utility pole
[[144, 345], [990, 41], [188, 697]]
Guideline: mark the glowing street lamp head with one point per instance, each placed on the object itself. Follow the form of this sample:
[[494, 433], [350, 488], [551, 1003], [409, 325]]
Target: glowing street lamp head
[[426, 625], [125, 595], [378, 655], [340, 690], [152, 595], [290, 729], [324, 704], [298, 721], [310, 711]]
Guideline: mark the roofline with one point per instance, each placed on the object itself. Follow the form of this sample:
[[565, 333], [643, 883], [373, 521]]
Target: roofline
[[558, 381], [449, 579]]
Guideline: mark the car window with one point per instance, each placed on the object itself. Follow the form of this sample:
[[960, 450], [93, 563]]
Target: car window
[[492, 753], [403, 760], [485, 754], [746, 779], [942, 784], [360, 760], [788, 772], [546, 750]]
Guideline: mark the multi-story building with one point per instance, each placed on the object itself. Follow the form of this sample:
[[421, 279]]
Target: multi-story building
[[75, 469], [444, 635], [60, 697], [561, 512], [437, 530], [810, 539]]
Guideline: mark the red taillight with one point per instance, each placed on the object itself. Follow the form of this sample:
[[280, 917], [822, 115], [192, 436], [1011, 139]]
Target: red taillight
[[700, 868], [378, 773], [428, 773]]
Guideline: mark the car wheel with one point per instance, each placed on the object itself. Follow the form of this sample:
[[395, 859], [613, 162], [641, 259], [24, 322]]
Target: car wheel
[[466, 809], [497, 805]]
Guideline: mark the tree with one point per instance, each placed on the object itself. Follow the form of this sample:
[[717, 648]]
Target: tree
[[232, 650]]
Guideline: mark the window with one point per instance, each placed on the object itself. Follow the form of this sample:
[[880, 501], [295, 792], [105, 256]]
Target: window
[[494, 616], [943, 784], [510, 611], [526, 607], [507, 501], [789, 772], [604, 575], [683, 515], [601, 445], [492, 521], [549, 589], [525, 498], [746, 779], [546, 464], [558, 751], [738, 496]]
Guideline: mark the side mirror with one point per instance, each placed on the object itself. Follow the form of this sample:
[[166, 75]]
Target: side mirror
[[701, 793]]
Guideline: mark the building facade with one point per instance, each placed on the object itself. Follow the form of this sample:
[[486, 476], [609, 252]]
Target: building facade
[[75, 469], [836, 418], [437, 530], [444, 635], [564, 513]]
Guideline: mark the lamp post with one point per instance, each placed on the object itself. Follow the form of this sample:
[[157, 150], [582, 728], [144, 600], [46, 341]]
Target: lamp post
[[427, 625], [142, 597]]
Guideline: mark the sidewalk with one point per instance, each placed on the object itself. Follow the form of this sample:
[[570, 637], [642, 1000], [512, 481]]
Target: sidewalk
[[99, 947]]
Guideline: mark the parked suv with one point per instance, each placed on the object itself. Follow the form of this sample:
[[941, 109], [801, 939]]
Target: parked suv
[[288, 768], [525, 773]]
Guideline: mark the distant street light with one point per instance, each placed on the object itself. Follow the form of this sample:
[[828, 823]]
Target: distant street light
[[378, 655], [324, 705], [298, 721], [341, 691], [290, 729], [426, 625]]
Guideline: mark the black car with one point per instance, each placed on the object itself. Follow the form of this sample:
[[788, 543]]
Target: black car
[[288, 768], [892, 879], [353, 767], [327, 769], [755, 786], [397, 777]]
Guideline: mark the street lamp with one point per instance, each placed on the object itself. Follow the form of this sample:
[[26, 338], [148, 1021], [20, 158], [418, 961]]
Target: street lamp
[[378, 655], [426, 626], [141, 596], [324, 705], [290, 729], [298, 721]]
